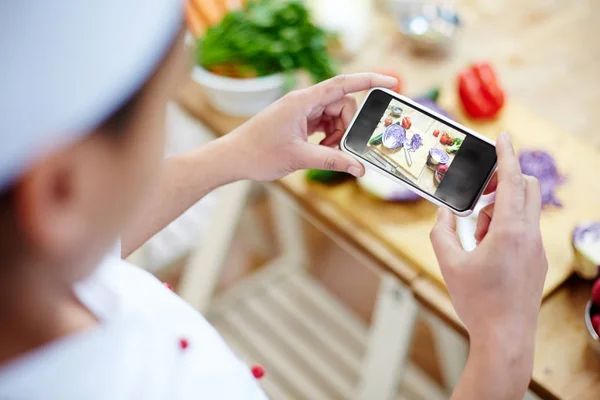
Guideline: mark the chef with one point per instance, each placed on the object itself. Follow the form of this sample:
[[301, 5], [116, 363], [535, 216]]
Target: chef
[[83, 183]]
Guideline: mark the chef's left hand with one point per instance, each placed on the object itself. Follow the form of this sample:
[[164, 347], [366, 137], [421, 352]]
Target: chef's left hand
[[274, 143]]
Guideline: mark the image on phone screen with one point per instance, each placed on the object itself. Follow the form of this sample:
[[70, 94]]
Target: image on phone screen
[[440, 159]]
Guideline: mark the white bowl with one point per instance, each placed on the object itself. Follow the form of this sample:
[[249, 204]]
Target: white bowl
[[239, 97], [384, 188]]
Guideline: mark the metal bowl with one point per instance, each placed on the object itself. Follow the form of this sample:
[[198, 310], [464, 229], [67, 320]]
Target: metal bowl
[[429, 27], [594, 339], [395, 111]]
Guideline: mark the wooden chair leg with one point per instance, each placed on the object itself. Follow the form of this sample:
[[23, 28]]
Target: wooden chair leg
[[289, 230], [452, 350], [201, 274], [389, 341]]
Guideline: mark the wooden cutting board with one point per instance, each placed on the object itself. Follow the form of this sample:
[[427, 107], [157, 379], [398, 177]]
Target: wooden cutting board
[[405, 227], [395, 159]]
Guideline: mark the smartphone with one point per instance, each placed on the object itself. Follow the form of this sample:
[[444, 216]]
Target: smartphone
[[437, 158]]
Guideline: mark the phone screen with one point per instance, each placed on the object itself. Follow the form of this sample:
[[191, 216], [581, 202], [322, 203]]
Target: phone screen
[[440, 159]]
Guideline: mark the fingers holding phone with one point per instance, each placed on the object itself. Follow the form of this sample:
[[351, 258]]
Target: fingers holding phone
[[498, 286], [275, 142], [517, 196]]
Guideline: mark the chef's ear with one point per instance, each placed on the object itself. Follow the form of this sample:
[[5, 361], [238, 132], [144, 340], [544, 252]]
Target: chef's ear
[[46, 204]]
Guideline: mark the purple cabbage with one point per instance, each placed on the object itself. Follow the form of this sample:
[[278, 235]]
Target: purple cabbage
[[432, 105], [541, 164], [403, 194], [589, 231], [394, 136], [416, 142], [439, 156]]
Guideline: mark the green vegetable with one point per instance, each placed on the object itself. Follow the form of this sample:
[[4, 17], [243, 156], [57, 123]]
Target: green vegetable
[[269, 36], [324, 176], [454, 146], [376, 140]]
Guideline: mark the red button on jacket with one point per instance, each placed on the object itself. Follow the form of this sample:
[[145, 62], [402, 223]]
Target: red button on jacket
[[258, 371]]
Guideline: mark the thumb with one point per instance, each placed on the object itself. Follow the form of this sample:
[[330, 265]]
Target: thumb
[[313, 156], [445, 241]]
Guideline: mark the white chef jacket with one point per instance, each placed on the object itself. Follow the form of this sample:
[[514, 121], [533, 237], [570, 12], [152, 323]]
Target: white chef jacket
[[135, 352]]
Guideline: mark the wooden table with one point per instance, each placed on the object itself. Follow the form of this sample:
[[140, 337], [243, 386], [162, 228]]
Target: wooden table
[[561, 322], [534, 45]]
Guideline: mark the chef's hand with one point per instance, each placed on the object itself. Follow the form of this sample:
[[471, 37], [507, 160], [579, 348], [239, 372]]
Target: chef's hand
[[497, 288], [274, 142]]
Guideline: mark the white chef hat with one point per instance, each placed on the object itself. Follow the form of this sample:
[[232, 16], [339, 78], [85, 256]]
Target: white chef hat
[[65, 65]]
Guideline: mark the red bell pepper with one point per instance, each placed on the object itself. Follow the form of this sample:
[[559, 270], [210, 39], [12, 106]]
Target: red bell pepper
[[480, 92]]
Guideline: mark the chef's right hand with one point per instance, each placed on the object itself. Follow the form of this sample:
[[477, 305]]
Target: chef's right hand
[[497, 288]]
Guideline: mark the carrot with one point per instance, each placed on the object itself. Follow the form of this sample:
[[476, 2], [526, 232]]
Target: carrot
[[208, 11], [223, 6], [193, 20]]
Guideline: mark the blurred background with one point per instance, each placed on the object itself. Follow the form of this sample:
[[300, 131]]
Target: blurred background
[[331, 283]]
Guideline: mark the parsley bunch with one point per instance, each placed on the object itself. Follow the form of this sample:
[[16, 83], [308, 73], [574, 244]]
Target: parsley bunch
[[267, 37]]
